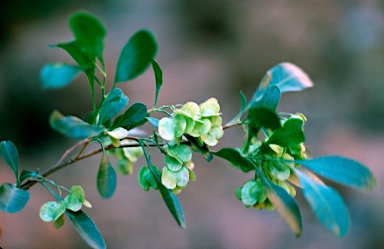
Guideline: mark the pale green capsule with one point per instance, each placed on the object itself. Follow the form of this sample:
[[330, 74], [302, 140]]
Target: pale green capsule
[[167, 129], [209, 108], [168, 178], [172, 163], [182, 177], [179, 125], [191, 109], [181, 153]]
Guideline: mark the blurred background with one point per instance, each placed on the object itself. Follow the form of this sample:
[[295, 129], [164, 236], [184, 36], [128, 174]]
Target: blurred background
[[207, 48]]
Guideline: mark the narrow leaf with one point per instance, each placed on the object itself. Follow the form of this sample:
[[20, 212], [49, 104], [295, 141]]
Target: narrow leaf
[[135, 56], [284, 203], [12, 199], [173, 204], [9, 153], [86, 228], [286, 76], [135, 114], [290, 134], [158, 78], [89, 32], [235, 158], [326, 203], [106, 178], [73, 127], [342, 170], [58, 75], [115, 102]]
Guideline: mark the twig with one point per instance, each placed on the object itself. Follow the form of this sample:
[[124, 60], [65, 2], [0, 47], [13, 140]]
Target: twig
[[73, 147], [61, 163]]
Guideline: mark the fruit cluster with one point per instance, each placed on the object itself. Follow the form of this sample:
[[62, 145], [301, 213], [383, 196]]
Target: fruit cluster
[[202, 122], [276, 163], [54, 210]]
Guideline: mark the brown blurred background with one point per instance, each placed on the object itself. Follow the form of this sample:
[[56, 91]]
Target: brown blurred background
[[206, 48]]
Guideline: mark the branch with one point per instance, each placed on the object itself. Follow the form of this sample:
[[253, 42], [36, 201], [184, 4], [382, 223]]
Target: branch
[[62, 164]]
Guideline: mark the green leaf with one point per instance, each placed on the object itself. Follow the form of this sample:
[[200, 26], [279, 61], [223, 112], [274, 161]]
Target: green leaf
[[89, 32], [12, 199], [115, 102], [173, 204], [235, 158], [270, 98], [290, 134], [106, 178], [342, 170], [9, 153], [326, 203], [286, 76], [262, 117], [58, 75], [158, 78], [132, 117], [73, 127], [25, 174], [86, 228], [52, 211], [284, 203], [153, 121], [135, 56], [85, 59]]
